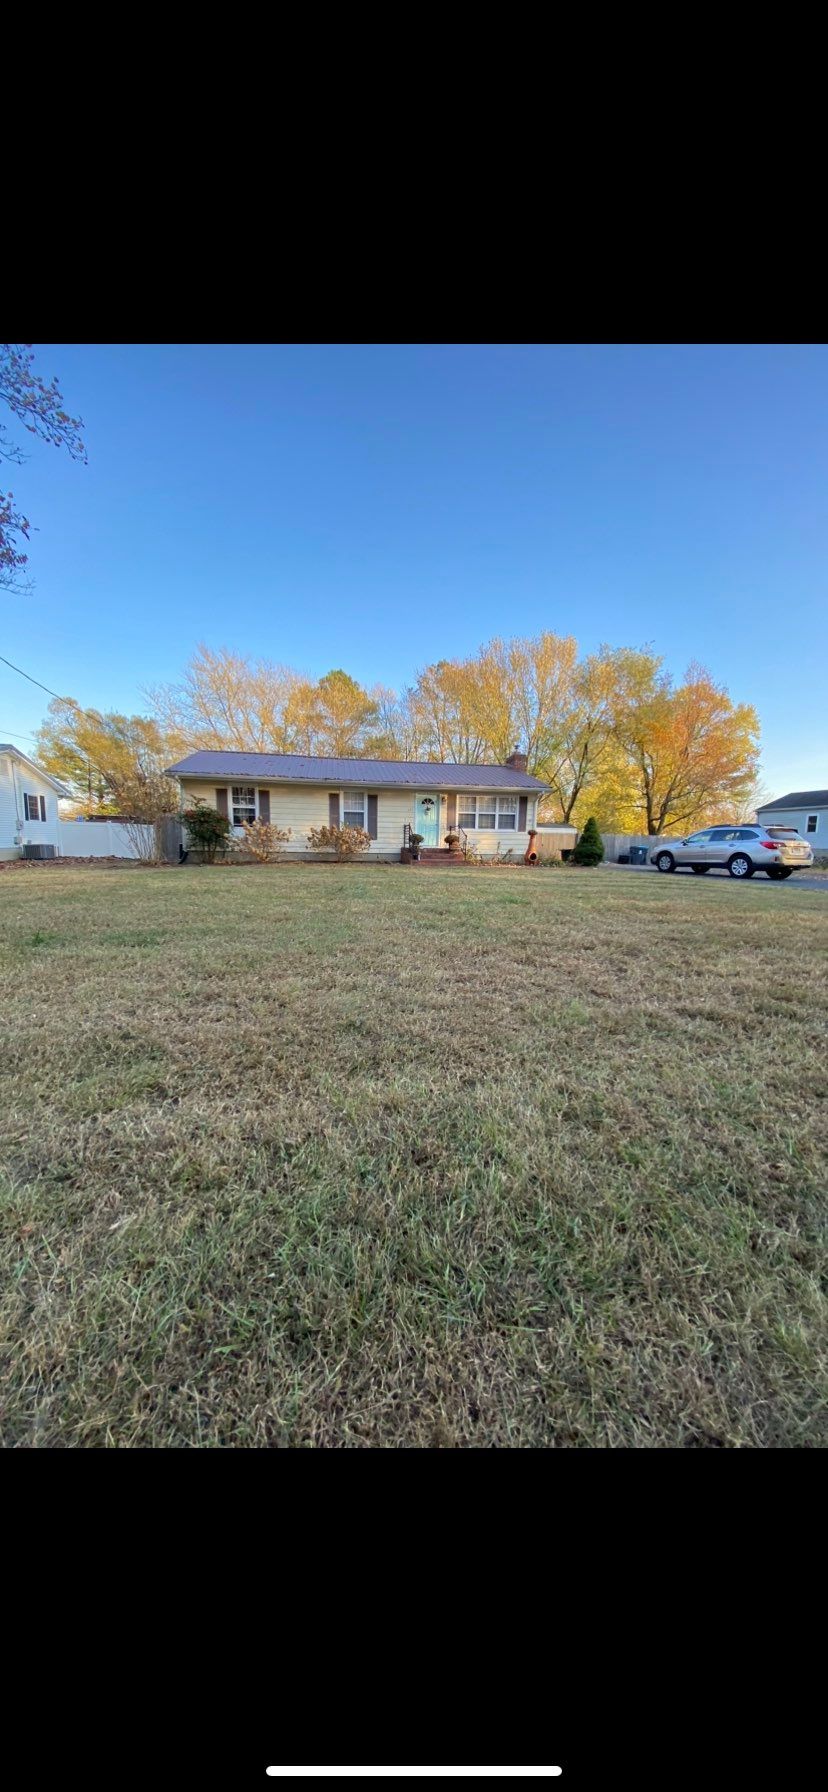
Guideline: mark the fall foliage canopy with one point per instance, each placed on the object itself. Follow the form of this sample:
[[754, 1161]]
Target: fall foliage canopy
[[611, 733]]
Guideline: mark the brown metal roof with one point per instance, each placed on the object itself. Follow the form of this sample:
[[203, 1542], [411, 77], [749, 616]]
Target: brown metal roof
[[295, 768]]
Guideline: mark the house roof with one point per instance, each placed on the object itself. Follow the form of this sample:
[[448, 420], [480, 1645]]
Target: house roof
[[296, 768], [15, 753], [797, 799]]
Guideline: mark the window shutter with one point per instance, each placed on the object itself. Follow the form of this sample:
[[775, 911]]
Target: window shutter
[[451, 811], [522, 802], [221, 801], [43, 808], [264, 805], [333, 809], [372, 817], [26, 815]]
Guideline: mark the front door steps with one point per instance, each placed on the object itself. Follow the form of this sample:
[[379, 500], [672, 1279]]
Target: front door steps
[[439, 855]]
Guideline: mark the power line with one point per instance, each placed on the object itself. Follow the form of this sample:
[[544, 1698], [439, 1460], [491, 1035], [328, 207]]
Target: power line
[[13, 736], [42, 687]]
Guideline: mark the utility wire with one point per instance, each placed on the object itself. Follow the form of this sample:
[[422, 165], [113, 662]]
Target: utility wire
[[13, 736], [42, 687]]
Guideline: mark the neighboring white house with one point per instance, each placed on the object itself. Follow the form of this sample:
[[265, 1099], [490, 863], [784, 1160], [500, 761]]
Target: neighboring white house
[[805, 810], [28, 804], [493, 806]]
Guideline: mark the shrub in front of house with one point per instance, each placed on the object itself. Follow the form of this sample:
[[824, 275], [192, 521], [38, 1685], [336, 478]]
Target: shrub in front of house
[[208, 831], [263, 840], [590, 847], [345, 843]]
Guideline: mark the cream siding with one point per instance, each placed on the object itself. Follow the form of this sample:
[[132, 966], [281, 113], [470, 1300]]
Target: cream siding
[[300, 807]]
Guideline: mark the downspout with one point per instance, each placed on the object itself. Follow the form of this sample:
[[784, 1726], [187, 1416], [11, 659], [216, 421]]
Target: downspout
[[18, 838]]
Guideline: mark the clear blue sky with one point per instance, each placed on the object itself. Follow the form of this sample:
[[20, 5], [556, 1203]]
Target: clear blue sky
[[378, 507]]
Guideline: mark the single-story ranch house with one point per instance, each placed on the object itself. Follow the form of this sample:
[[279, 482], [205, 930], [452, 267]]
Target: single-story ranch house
[[28, 804], [494, 806], [805, 810]]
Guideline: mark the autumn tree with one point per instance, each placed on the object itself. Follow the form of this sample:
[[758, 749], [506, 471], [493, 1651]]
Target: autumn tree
[[520, 692], [691, 749], [227, 701], [343, 715], [397, 731], [122, 759], [38, 408], [440, 705]]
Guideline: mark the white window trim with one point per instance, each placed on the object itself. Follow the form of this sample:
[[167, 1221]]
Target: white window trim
[[489, 804], [238, 826], [346, 801]]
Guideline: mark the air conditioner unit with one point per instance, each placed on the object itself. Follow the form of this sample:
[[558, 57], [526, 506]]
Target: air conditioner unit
[[37, 852]]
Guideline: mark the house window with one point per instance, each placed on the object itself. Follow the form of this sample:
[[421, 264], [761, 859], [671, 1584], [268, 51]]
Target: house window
[[353, 812], [498, 812], [34, 807], [244, 804], [812, 824]]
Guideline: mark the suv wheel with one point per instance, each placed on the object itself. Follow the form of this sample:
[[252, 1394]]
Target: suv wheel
[[665, 862], [777, 872], [740, 865]]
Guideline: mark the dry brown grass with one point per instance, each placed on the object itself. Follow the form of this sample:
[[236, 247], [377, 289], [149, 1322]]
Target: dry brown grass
[[370, 1157]]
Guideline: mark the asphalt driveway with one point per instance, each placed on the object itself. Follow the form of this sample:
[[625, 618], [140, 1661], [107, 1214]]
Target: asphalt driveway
[[800, 880]]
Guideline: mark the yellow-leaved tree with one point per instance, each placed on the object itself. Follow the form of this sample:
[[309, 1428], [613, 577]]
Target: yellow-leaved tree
[[693, 752]]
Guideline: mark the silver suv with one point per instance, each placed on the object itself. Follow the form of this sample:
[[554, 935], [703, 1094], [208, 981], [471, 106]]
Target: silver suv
[[743, 850]]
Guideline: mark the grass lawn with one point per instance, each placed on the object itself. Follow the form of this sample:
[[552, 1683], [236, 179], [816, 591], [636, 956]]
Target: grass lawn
[[311, 1156]]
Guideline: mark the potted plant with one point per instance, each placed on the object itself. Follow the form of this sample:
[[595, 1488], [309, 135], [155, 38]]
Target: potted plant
[[415, 841], [452, 839]]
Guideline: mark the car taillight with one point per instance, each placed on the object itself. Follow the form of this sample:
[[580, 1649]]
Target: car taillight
[[772, 845]]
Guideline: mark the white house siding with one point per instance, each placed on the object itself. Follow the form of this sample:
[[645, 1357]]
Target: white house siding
[[14, 780], [301, 807], [798, 818]]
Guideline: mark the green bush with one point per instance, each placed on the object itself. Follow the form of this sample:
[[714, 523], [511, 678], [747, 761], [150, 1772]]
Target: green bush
[[590, 848], [208, 831]]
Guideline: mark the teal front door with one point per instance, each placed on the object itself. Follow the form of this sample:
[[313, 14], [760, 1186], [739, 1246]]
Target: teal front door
[[427, 817]]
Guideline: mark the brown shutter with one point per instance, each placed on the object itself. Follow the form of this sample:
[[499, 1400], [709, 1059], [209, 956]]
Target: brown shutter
[[451, 811], [221, 800], [333, 809], [372, 817], [43, 808], [522, 802], [264, 805]]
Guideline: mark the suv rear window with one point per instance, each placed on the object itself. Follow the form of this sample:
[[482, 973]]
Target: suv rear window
[[783, 833]]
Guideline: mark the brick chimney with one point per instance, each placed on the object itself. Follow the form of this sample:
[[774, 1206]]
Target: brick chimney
[[516, 761]]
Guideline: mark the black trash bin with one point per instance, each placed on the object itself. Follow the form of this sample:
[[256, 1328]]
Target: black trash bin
[[638, 855]]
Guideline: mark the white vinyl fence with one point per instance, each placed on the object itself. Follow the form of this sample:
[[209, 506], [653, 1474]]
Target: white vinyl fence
[[96, 840]]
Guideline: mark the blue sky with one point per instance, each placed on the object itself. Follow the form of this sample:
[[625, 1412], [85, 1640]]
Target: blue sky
[[380, 507]]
